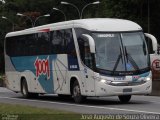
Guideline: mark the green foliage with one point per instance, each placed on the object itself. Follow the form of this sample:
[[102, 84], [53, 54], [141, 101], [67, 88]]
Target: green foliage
[[135, 10], [20, 109], [19, 112]]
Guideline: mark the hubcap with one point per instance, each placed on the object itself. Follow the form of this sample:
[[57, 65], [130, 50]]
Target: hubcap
[[24, 90], [76, 91]]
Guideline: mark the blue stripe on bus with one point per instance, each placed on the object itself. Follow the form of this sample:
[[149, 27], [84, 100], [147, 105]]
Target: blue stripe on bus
[[24, 63]]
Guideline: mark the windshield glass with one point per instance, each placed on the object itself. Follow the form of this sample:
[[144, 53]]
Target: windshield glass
[[135, 48], [121, 52]]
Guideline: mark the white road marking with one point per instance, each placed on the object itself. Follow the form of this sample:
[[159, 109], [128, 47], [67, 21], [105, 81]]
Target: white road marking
[[87, 106], [154, 102]]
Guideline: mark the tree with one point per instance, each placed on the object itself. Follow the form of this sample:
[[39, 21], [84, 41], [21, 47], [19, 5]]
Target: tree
[[135, 10]]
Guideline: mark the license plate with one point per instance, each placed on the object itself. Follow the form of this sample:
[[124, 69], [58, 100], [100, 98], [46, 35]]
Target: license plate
[[119, 78], [127, 90]]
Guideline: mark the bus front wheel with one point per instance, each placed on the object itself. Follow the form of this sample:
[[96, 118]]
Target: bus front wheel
[[76, 93], [124, 98], [61, 96]]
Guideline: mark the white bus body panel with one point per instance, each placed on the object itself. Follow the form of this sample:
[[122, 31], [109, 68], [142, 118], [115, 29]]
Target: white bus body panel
[[97, 24], [89, 85], [103, 89]]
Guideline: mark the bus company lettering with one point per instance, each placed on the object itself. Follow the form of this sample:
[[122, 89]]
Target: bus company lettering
[[42, 67]]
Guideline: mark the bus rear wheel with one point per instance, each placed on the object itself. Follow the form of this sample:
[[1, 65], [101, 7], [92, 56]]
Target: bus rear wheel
[[24, 90], [76, 93], [124, 98]]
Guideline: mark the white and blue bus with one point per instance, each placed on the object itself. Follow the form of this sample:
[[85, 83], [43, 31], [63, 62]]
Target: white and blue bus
[[81, 58]]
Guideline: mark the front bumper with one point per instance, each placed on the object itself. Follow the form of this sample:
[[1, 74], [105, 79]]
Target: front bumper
[[103, 89]]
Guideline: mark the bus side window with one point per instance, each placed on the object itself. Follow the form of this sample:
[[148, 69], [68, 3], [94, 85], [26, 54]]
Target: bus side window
[[150, 46], [32, 46], [57, 42], [10, 51], [62, 42], [43, 43], [85, 52], [70, 46], [17, 47]]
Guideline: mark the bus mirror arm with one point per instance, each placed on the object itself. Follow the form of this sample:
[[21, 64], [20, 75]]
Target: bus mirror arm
[[154, 42], [91, 42]]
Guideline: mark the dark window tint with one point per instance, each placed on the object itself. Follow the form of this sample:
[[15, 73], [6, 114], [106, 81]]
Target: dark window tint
[[20, 45], [28, 45], [55, 42], [70, 46], [62, 42], [43, 43], [81, 31], [85, 54], [149, 45], [84, 49]]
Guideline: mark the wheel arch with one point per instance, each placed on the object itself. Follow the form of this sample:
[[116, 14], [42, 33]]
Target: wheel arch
[[72, 80], [22, 78]]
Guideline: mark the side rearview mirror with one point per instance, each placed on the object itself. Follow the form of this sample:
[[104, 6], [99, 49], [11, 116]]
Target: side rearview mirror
[[154, 41], [91, 42]]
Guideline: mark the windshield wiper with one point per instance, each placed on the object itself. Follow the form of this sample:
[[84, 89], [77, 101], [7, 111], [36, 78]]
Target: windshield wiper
[[132, 61], [117, 62]]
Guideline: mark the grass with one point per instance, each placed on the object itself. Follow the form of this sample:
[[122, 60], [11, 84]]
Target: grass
[[19, 112]]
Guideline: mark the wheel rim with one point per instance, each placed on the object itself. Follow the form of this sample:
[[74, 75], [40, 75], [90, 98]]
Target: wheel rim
[[24, 90], [76, 91]]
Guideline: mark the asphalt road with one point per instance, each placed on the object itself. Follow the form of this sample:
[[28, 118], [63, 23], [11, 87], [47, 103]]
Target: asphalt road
[[105, 105]]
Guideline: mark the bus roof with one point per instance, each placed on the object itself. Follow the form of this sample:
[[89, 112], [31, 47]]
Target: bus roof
[[95, 24]]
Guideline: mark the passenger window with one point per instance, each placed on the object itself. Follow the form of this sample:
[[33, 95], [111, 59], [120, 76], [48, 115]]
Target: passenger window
[[149, 45], [70, 46], [62, 42], [85, 53], [57, 42], [43, 43]]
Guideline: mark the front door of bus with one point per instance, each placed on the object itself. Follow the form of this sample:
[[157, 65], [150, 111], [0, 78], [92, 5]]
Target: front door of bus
[[87, 74], [89, 82]]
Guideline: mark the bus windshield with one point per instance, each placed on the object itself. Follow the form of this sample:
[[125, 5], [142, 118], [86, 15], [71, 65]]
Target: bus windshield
[[121, 53]]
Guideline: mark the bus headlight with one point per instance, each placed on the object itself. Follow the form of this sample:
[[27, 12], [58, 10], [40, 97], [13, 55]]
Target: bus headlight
[[105, 81], [148, 79]]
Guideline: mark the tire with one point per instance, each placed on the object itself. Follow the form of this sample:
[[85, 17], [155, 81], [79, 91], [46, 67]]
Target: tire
[[24, 90], [124, 98], [61, 96], [76, 93]]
